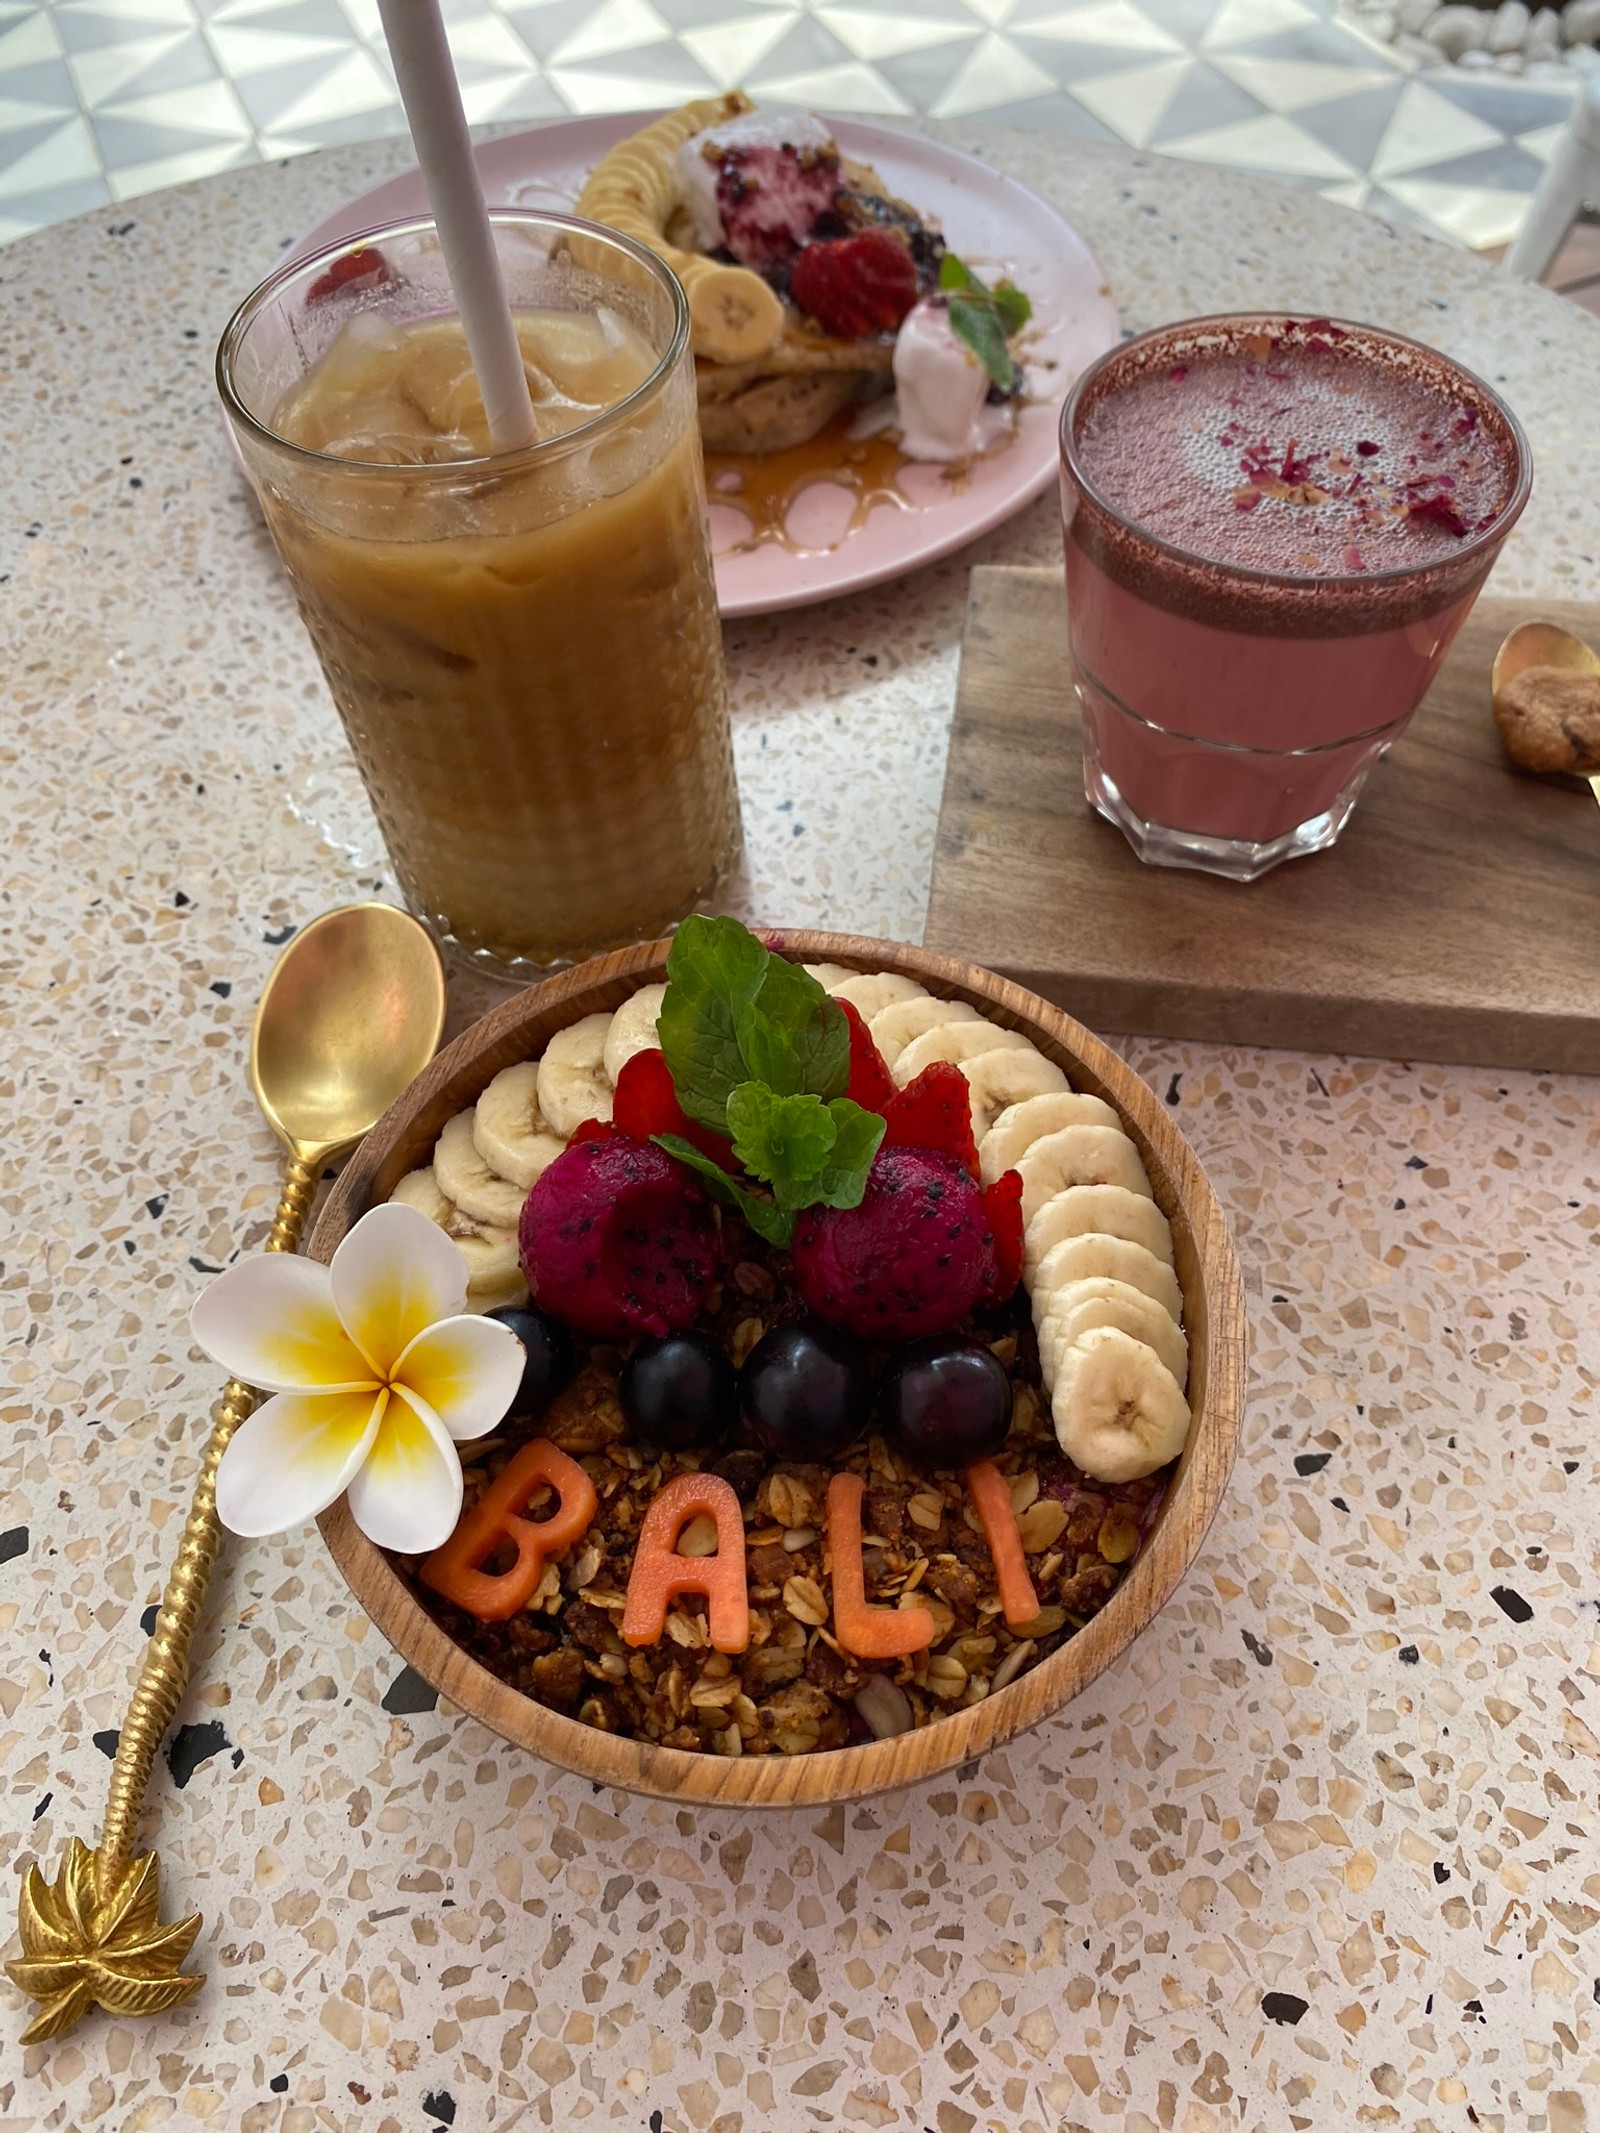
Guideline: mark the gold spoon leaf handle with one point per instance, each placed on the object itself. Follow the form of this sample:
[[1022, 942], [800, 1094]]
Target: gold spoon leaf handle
[[95, 1936]]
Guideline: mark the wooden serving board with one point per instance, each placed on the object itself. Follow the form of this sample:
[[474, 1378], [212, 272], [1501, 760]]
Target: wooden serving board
[[1457, 918]]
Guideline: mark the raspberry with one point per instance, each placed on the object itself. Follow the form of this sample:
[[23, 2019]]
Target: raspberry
[[870, 1085], [935, 1111], [855, 286], [618, 1240], [914, 1257], [647, 1104], [1002, 1208]]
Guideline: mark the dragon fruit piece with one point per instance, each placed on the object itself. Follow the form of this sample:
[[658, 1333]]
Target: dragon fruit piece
[[913, 1258], [618, 1240]]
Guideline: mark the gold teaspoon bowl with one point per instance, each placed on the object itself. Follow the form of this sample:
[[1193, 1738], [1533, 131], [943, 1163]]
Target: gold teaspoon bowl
[[351, 1013]]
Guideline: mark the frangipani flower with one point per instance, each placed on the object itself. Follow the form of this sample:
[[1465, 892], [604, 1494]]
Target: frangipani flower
[[375, 1374]]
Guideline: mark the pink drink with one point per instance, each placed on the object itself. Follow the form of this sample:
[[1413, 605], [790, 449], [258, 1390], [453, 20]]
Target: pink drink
[[1274, 529]]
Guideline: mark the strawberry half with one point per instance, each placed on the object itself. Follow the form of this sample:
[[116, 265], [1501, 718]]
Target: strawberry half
[[1002, 1207], [870, 1085], [935, 1111], [855, 286], [647, 1104]]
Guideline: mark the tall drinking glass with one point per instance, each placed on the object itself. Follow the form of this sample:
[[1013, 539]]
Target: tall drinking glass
[[1274, 529], [524, 646]]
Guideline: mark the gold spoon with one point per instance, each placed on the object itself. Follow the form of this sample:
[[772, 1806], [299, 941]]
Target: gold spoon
[[352, 1012], [1541, 644]]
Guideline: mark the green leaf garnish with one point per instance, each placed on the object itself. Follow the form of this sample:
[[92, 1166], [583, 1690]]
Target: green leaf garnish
[[714, 971], [758, 1051], [985, 318], [765, 1217]]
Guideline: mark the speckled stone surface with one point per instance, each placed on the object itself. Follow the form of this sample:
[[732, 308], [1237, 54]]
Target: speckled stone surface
[[1320, 1853]]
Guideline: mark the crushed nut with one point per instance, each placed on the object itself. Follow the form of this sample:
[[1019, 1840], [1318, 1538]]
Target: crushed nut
[[801, 1537]]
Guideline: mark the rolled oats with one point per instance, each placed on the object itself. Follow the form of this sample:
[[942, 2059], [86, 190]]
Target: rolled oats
[[1024, 1491], [1042, 1523], [946, 1677], [926, 1509], [806, 1601], [790, 1501]]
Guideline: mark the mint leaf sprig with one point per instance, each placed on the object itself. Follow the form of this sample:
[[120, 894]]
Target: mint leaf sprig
[[760, 1053], [986, 319]]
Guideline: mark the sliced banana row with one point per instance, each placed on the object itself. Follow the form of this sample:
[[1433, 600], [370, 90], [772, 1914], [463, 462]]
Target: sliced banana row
[[494, 1274], [1097, 1251]]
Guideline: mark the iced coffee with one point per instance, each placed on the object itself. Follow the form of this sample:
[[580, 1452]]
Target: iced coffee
[[524, 646]]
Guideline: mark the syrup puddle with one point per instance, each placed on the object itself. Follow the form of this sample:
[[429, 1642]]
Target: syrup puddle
[[814, 496]]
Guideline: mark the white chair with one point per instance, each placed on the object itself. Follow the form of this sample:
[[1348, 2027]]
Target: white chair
[[1570, 184]]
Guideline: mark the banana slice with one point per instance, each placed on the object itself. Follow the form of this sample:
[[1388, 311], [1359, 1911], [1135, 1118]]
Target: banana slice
[[1001, 1080], [1096, 1210], [1082, 1305], [1015, 1130], [1078, 1155], [897, 1025], [491, 1254], [463, 1176], [952, 1042], [572, 1076], [633, 1029], [830, 976], [510, 1131], [871, 991], [1110, 1258], [1117, 1408]]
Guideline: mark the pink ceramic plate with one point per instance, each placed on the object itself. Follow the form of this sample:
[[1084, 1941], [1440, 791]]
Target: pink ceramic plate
[[995, 224]]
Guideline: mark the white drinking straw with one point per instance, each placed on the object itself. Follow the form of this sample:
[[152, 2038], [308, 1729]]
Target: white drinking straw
[[432, 97]]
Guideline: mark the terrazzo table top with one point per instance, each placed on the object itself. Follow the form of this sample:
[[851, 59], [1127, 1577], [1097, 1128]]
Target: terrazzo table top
[[1320, 1852]]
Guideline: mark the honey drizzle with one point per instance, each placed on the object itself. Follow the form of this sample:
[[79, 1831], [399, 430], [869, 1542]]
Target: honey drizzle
[[769, 484]]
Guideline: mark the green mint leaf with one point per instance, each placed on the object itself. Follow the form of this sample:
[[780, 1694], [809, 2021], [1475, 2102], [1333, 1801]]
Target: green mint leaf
[[858, 1135], [781, 1139], [793, 1036], [976, 321], [764, 1216], [714, 971], [956, 274], [1014, 308]]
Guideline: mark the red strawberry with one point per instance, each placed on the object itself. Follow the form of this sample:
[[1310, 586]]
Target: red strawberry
[[647, 1104], [1002, 1207], [935, 1111], [364, 268], [855, 286], [870, 1085], [593, 1129]]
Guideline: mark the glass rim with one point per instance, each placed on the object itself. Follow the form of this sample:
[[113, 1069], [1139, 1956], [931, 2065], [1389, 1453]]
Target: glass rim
[[1354, 580], [498, 463]]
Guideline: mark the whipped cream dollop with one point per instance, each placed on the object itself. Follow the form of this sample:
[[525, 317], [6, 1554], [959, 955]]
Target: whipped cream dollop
[[768, 131], [942, 390]]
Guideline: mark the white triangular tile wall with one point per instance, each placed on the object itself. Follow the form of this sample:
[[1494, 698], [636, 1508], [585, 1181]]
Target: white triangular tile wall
[[1286, 87]]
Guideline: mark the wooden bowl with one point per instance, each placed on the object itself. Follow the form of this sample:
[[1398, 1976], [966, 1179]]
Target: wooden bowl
[[1213, 1313]]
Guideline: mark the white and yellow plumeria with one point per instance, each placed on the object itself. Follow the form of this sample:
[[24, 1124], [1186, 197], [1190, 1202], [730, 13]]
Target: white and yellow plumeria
[[374, 1372]]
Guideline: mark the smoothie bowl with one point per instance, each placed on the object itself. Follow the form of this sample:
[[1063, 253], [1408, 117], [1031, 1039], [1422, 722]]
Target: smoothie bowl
[[851, 1463]]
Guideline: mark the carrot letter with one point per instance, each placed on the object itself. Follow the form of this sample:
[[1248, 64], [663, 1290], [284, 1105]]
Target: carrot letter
[[992, 1501], [456, 1571], [660, 1574], [865, 1632]]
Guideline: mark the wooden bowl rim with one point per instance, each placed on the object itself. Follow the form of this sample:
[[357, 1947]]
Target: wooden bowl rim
[[1214, 1308]]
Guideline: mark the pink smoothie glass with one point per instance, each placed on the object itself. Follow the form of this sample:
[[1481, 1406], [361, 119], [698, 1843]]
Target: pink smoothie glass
[[1231, 713]]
